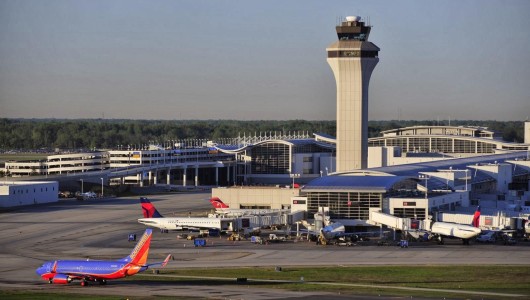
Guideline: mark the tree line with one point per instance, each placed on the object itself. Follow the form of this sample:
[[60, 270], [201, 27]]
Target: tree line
[[34, 134]]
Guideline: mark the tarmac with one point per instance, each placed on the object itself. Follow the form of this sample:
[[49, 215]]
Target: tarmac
[[99, 229]]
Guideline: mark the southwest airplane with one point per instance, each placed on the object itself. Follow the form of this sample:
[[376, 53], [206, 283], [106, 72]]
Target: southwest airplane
[[65, 271], [222, 208], [153, 218]]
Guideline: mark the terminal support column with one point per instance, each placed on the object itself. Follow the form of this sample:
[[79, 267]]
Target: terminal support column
[[217, 176], [140, 178], [197, 175], [184, 176]]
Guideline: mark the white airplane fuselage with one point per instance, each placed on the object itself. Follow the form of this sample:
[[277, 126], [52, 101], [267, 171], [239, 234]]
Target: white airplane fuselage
[[222, 224], [454, 230]]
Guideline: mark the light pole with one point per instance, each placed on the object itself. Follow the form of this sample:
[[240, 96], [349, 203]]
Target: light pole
[[426, 177], [293, 176], [467, 170], [81, 186], [102, 187]]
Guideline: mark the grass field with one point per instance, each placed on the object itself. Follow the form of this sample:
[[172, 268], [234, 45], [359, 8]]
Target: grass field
[[498, 279], [456, 282], [386, 280]]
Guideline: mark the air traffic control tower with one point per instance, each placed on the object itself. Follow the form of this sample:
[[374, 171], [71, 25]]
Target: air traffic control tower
[[352, 59]]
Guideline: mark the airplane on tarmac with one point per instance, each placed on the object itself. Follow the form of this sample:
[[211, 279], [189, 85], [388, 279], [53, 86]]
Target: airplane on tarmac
[[441, 230], [154, 219], [331, 231], [66, 271], [224, 209]]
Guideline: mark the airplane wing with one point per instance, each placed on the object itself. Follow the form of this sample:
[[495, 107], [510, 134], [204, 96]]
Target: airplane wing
[[162, 263]]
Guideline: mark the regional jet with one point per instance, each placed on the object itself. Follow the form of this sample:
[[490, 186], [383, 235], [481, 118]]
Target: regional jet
[[154, 219], [442, 230], [66, 271]]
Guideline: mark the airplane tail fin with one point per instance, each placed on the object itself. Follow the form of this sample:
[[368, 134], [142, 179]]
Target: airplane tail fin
[[139, 254], [164, 263], [217, 203], [149, 209], [476, 218]]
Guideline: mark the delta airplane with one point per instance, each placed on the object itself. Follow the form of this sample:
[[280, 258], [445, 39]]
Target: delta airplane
[[442, 230], [223, 209], [154, 219], [65, 271]]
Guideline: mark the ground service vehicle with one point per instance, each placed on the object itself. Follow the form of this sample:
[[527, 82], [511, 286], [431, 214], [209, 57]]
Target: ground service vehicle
[[199, 242], [489, 237], [256, 240], [234, 237]]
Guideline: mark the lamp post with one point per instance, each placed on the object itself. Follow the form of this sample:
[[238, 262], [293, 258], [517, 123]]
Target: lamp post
[[467, 170], [81, 186], [293, 176], [102, 187], [426, 177]]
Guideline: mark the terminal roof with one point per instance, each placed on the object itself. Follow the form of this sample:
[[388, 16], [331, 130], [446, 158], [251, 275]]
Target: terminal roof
[[357, 183]]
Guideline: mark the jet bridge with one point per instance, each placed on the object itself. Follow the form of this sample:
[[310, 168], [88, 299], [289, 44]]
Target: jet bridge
[[393, 222]]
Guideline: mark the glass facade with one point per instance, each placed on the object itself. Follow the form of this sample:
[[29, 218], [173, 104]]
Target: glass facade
[[270, 158], [436, 144], [412, 213], [310, 148], [344, 205]]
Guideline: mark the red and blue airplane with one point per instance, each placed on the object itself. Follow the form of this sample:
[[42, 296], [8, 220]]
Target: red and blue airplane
[[66, 271]]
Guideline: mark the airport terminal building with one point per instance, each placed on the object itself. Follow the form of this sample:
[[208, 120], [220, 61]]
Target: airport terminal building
[[412, 172], [27, 193], [450, 140]]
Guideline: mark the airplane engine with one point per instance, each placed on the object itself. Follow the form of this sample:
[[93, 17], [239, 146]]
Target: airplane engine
[[61, 279]]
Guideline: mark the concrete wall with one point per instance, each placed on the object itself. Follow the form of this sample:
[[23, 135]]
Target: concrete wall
[[527, 132], [391, 156], [275, 198], [352, 76], [450, 199], [501, 172], [26, 193]]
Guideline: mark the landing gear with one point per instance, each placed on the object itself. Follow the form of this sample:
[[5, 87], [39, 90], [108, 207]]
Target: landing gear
[[102, 281], [50, 281], [440, 240], [465, 242], [84, 282]]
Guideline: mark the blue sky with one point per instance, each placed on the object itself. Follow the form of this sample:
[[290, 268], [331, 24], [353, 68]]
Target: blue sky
[[253, 60]]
